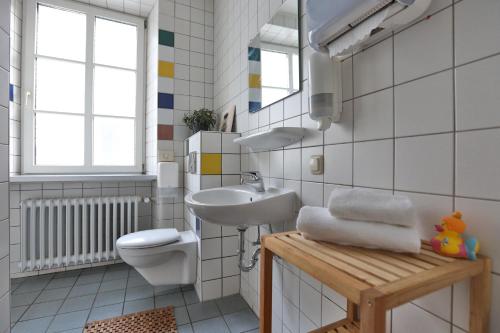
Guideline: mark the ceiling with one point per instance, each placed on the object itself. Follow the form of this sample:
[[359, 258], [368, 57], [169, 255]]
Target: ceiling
[[134, 7]]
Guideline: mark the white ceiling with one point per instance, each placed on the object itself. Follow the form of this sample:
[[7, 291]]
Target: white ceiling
[[134, 7]]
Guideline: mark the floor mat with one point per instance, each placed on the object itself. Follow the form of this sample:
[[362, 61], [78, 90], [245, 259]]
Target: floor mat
[[151, 321]]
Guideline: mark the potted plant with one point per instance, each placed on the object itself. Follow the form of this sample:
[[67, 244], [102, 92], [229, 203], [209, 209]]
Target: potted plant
[[200, 120]]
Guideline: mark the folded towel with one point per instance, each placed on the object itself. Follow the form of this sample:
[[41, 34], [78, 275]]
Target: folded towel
[[318, 224], [372, 205]]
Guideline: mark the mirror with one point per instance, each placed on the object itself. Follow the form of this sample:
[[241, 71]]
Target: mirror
[[274, 59]]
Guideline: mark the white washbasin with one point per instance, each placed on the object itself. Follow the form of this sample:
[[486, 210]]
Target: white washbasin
[[242, 205]]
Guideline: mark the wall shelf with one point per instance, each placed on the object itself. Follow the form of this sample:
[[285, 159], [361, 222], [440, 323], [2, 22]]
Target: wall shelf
[[273, 138]]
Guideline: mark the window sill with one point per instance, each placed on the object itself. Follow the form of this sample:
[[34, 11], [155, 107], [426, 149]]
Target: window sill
[[82, 178]]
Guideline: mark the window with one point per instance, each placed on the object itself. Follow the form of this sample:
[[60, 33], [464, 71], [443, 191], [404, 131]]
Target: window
[[83, 80], [280, 74]]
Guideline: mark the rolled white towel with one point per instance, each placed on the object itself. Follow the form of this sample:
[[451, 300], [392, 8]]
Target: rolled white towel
[[317, 223], [371, 205]]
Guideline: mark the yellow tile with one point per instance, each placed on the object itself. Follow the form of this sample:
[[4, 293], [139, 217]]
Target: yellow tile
[[166, 69], [254, 81], [211, 164]]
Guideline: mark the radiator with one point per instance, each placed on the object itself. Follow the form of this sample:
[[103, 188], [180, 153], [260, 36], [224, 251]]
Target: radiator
[[64, 232]]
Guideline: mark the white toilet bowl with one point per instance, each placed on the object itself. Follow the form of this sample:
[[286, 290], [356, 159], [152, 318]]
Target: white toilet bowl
[[161, 256]]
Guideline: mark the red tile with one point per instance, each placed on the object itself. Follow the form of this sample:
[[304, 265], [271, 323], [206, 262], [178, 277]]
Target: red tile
[[165, 132]]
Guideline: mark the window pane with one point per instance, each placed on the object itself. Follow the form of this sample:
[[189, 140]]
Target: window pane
[[115, 44], [114, 141], [275, 69], [114, 91], [59, 139], [59, 86], [271, 95], [61, 33]]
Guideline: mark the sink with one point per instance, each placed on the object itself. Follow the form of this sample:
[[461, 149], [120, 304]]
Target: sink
[[242, 205]]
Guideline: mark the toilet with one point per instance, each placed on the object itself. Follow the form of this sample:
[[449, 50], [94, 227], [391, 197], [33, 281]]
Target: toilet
[[161, 256]]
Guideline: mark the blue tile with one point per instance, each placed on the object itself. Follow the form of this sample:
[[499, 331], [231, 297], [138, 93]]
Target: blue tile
[[24, 299], [61, 283], [242, 321], [185, 328], [32, 326], [110, 297], [175, 300], [67, 321], [230, 304], [11, 92], [106, 312], [254, 106], [201, 311], [77, 304], [86, 289], [138, 305], [165, 101], [139, 293], [253, 54], [181, 315], [42, 310], [113, 285], [214, 325], [16, 312], [53, 295]]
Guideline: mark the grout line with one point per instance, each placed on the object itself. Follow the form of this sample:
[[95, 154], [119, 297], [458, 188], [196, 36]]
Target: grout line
[[393, 125]]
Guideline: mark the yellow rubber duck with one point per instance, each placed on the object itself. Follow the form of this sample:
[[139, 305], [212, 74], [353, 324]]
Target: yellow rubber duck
[[449, 241]]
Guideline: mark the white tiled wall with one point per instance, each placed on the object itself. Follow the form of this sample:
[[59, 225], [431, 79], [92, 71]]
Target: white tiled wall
[[152, 91], [420, 118], [218, 272], [4, 167], [191, 23], [16, 19]]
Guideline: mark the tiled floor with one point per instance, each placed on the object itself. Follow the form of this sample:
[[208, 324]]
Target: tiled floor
[[64, 302]]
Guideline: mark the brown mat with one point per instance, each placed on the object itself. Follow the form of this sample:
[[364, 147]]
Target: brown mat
[[151, 321]]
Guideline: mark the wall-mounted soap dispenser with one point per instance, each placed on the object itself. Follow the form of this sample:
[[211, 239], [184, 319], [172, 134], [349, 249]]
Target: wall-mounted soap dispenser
[[325, 89]]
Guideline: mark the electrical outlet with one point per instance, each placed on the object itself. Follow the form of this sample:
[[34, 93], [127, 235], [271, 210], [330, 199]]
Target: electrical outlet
[[166, 156]]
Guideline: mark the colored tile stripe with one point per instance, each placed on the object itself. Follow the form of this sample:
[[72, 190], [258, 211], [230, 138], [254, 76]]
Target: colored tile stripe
[[165, 132], [165, 101], [11, 92], [211, 164], [253, 54], [254, 81], [166, 69], [166, 38], [254, 106]]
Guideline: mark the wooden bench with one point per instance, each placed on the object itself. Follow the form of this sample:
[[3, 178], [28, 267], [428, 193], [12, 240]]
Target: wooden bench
[[373, 281]]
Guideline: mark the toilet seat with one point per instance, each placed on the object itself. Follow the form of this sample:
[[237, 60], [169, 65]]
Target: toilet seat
[[148, 239]]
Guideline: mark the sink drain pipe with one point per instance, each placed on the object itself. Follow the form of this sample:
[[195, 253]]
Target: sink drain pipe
[[247, 267]]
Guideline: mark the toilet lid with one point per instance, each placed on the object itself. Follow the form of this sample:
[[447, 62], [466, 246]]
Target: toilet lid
[[148, 238]]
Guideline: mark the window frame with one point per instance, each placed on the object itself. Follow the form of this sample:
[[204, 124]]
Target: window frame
[[28, 82]]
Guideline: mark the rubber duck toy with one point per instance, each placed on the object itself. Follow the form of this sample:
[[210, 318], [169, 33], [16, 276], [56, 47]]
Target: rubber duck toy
[[449, 240]]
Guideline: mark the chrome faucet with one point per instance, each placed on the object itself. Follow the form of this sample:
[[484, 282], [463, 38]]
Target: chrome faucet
[[254, 179]]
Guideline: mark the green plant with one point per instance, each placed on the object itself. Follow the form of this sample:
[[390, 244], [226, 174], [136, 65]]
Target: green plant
[[200, 120]]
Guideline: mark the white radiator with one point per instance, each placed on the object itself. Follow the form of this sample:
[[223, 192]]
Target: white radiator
[[64, 232]]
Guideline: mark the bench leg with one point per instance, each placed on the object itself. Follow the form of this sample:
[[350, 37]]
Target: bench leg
[[372, 314], [480, 300], [352, 311], [266, 291]]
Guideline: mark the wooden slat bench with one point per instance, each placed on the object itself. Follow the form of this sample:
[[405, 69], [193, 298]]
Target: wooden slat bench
[[373, 281]]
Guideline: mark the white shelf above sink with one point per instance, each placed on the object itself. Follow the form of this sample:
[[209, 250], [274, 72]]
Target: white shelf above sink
[[272, 138]]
